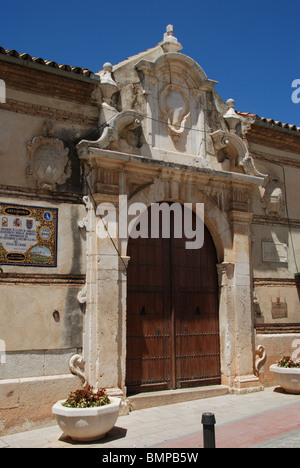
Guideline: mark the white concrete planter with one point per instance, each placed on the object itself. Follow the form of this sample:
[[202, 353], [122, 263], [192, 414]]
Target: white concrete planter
[[287, 378], [87, 424]]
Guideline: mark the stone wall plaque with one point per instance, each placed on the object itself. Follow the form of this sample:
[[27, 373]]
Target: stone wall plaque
[[28, 235], [275, 252], [279, 310]]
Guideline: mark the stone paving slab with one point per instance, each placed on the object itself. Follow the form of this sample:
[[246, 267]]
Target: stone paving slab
[[262, 419]]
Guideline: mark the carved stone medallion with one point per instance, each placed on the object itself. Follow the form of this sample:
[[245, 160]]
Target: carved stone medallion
[[175, 106], [48, 159]]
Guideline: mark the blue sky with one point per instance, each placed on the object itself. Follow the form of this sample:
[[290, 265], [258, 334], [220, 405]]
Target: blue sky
[[250, 48]]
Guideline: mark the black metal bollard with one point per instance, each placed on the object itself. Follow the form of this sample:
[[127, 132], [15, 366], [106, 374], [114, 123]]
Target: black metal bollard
[[209, 421]]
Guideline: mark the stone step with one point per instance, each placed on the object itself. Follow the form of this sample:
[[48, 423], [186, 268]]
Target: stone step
[[169, 397]]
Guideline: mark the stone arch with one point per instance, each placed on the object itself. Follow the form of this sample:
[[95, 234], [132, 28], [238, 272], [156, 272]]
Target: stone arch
[[214, 218], [179, 63]]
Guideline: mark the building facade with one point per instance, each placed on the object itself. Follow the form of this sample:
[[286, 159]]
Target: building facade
[[85, 297]]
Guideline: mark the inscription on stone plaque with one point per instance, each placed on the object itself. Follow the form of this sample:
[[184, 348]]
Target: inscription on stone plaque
[[275, 252], [28, 235]]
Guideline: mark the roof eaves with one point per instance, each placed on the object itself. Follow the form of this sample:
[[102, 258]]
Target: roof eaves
[[50, 65], [278, 124], [269, 122]]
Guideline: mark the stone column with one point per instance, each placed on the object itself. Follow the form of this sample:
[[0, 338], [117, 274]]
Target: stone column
[[241, 299]]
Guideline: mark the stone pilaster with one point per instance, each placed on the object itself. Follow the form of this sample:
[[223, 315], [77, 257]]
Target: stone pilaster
[[227, 321], [241, 298], [89, 296]]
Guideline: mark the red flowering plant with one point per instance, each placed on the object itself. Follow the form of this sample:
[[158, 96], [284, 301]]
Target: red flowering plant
[[87, 398], [288, 362]]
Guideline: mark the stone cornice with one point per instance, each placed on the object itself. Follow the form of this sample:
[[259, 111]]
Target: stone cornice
[[264, 220], [113, 160], [42, 279], [45, 195]]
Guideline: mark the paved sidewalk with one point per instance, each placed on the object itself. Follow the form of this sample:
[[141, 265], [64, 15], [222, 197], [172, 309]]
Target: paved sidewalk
[[269, 419]]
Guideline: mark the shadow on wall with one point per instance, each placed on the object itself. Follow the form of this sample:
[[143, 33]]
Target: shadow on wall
[[72, 330], [297, 279]]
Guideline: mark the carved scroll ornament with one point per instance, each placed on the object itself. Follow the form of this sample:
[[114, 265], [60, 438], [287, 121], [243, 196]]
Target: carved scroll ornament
[[123, 122], [260, 358], [76, 364], [230, 146]]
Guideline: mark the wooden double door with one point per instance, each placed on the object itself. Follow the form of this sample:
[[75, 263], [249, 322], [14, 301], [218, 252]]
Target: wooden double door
[[172, 315]]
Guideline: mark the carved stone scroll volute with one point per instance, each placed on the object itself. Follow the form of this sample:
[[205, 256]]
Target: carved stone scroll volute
[[76, 365], [260, 358]]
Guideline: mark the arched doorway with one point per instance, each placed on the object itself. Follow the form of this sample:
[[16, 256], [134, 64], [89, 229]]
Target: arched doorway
[[172, 314]]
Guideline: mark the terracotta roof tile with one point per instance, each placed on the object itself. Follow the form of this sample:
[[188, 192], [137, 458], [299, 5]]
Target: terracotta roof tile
[[89, 73], [47, 63], [271, 122], [277, 123]]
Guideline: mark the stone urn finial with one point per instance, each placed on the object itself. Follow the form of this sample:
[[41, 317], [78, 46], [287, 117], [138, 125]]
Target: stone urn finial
[[108, 85], [231, 116], [170, 42]]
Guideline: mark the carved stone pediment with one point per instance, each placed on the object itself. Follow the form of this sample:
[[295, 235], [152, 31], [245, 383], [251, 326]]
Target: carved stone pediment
[[174, 87], [47, 162]]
